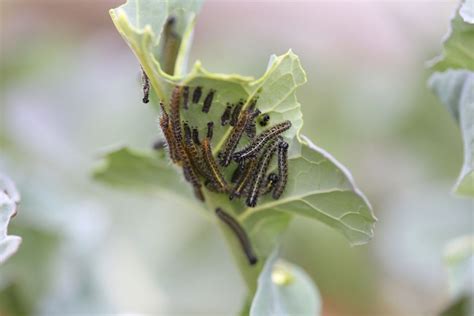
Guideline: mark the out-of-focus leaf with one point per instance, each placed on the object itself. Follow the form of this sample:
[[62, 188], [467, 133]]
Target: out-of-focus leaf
[[25, 278], [9, 199], [285, 289], [458, 47], [455, 89], [459, 259]]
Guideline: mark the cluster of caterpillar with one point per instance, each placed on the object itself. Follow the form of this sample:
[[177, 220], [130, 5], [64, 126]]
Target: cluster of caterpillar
[[200, 168]]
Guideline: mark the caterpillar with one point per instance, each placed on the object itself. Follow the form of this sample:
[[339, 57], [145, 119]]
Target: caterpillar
[[186, 97], [253, 103], [237, 172], [197, 94], [246, 177], [189, 170], [236, 113], [210, 130], [261, 140], [165, 127], [240, 233], [208, 101], [195, 133], [193, 152], [190, 176], [282, 170], [175, 118], [264, 120], [251, 129], [225, 156], [225, 118], [216, 177], [269, 185], [146, 87], [257, 181]]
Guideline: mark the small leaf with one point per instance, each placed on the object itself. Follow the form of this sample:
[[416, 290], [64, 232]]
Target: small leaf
[[285, 289], [9, 199], [458, 47], [455, 89]]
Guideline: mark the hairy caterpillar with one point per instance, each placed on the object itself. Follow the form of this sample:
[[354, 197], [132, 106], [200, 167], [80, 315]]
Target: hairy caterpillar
[[208, 101], [261, 140], [233, 139], [240, 233], [247, 175], [236, 113], [269, 185], [196, 136], [165, 127], [225, 118], [260, 174], [251, 129], [197, 94], [186, 97], [216, 177], [282, 170], [210, 130]]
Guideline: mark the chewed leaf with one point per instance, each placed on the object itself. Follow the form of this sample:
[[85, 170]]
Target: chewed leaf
[[9, 199], [285, 289], [458, 47], [320, 188], [455, 89]]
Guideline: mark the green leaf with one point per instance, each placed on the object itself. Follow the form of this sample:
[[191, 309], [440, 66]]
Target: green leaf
[[318, 186], [459, 259], [145, 172], [458, 47], [455, 89], [9, 199], [285, 289]]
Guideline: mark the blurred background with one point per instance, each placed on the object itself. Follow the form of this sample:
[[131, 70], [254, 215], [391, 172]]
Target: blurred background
[[69, 89]]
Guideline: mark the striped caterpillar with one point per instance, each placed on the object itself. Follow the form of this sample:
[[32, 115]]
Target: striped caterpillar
[[282, 170], [215, 176], [240, 233], [233, 139], [261, 171], [261, 140], [208, 101]]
